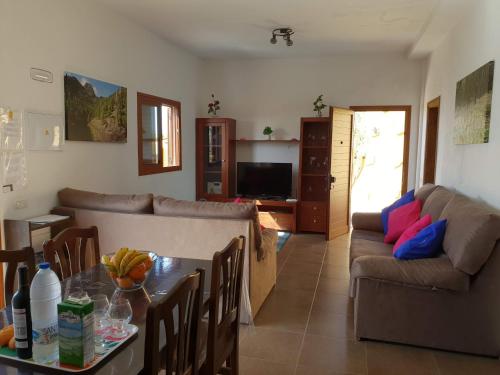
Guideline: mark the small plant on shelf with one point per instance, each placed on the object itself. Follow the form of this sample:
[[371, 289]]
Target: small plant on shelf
[[319, 105], [268, 131], [213, 106]]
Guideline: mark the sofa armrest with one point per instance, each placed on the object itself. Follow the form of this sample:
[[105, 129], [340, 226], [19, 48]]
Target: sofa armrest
[[368, 221], [434, 273]]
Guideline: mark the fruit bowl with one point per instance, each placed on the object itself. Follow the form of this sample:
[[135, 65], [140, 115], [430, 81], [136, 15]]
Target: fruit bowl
[[128, 268]]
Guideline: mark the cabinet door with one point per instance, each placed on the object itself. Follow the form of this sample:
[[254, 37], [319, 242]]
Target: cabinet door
[[213, 150]]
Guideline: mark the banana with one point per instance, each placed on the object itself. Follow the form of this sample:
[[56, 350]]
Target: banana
[[111, 268], [134, 262], [119, 256], [125, 260], [105, 259]]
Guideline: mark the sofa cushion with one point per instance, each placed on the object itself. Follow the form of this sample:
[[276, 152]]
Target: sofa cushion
[[406, 198], [436, 202], [426, 244], [473, 229], [134, 203], [431, 272], [367, 235], [412, 231], [172, 207], [424, 191], [401, 218], [360, 247]]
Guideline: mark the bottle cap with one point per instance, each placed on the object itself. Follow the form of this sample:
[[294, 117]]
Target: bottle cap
[[44, 265]]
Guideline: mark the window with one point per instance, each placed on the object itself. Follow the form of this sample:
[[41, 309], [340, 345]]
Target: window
[[159, 134]]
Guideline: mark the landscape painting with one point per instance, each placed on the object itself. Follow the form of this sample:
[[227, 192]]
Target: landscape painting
[[94, 110], [473, 106]]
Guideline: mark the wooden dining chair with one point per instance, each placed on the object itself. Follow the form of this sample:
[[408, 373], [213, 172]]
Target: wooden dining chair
[[70, 246], [224, 310], [181, 312], [13, 258]]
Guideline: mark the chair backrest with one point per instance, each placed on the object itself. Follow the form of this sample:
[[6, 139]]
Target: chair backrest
[[225, 301], [181, 312], [70, 246], [13, 258]]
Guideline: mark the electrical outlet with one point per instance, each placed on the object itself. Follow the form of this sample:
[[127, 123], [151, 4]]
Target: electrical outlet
[[21, 204]]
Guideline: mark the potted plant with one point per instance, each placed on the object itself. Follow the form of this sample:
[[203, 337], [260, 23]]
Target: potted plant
[[268, 131], [213, 106], [319, 105]]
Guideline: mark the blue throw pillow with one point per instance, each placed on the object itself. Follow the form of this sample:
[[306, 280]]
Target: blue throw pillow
[[405, 199], [426, 244]]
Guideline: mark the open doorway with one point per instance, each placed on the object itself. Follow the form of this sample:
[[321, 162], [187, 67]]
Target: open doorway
[[380, 156], [431, 138]]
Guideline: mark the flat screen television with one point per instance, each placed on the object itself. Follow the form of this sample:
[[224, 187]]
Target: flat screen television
[[264, 180]]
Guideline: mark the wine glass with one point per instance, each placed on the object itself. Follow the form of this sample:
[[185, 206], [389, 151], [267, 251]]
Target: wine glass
[[120, 314], [101, 305]]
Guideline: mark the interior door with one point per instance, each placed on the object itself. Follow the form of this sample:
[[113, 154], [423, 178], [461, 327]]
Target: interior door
[[340, 172], [431, 139]]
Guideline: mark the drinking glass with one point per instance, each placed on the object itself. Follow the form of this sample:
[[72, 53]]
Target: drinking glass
[[101, 305], [120, 314]]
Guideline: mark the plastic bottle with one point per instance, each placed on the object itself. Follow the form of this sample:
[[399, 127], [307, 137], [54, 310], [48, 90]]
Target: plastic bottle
[[45, 294]]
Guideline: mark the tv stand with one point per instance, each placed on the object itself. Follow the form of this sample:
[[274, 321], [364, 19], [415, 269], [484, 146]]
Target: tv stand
[[274, 214]]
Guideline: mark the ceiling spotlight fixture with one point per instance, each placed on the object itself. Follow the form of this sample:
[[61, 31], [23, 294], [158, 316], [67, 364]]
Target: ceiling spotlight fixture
[[285, 32]]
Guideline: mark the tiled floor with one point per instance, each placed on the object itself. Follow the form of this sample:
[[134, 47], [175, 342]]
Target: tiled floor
[[306, 325]]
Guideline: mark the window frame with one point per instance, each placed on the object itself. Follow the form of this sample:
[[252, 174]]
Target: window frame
[[148, 169]]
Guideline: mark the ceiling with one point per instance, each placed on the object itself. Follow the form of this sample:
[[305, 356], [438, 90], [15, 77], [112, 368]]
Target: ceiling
[[242, 29]]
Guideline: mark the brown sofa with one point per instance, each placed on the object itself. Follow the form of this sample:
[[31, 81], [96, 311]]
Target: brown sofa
[[450, 302], [180, 229]]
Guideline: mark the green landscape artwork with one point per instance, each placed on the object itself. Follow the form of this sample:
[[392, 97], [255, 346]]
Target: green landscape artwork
[[94, 110], [473, 106]]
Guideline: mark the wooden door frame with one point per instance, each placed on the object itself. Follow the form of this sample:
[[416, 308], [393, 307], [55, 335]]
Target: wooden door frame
[[434, 103], [406, 147]]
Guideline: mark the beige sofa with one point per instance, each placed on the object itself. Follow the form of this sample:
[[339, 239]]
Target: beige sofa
[[130, 221], [451, 302]]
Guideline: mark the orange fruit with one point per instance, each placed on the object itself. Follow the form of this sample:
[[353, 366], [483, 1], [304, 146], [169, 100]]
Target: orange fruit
[[148, 263], [6, 334], [138, 273], [125, 282], [12, 343]]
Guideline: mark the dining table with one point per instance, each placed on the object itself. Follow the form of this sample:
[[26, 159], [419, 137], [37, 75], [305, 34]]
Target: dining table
[[129, 358]]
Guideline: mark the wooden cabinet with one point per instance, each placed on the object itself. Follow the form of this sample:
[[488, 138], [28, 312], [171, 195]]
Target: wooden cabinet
[[314, 173], [215, 158]]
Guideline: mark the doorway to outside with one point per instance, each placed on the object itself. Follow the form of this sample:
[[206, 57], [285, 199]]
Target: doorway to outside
[[380, 148]]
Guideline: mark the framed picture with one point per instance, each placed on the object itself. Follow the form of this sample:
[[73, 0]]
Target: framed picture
[[95, 111], [473, 106]]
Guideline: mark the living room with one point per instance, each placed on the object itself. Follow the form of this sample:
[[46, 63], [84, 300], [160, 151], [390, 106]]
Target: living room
[[304, 312]]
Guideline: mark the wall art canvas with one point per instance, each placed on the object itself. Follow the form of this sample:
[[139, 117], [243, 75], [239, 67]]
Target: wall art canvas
[[473, 106], [95, 111]]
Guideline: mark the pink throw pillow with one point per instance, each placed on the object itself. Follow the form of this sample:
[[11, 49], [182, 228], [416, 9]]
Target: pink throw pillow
[[412, 231], [401, 218]]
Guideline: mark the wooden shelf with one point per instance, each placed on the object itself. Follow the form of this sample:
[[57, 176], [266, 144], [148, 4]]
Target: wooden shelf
[[292, 141]]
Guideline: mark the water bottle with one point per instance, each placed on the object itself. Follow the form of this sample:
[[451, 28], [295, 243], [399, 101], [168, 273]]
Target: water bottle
[[45, 294]]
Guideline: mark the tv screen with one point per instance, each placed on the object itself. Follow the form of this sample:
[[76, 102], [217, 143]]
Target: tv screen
[[272, 180]]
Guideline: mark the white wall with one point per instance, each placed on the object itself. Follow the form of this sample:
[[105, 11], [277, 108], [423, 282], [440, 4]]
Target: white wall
[[471, 169], [277, 92], [82, 37]]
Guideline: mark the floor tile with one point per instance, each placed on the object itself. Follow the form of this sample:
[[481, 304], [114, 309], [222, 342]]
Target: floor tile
[[335, 272], [298, 267], [306, 256], [255, 366], [315, 370], [389, 359], [462, 364], [333, 303], [297, 281], [341, 356], [282, 318], [324, 323], [290, 298], [271, 345], [334, 285]]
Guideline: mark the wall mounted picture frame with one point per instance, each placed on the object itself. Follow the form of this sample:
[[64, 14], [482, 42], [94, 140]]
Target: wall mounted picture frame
[[95, 110], [473, 106]]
